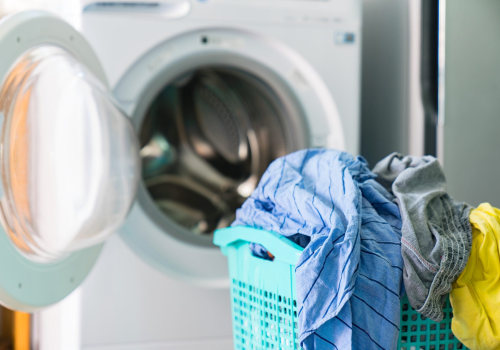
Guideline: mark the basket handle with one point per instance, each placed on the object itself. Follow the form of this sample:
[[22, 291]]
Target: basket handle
[[281, 247]]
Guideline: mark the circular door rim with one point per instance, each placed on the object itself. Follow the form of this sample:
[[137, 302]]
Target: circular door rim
[[145, 78], [25, 284]]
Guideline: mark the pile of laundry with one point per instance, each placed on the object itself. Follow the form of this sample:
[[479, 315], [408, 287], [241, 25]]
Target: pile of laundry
[[371, 236]]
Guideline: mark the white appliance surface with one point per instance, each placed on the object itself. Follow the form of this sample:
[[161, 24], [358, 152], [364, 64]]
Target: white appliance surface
[[119, 40], [128, 304]]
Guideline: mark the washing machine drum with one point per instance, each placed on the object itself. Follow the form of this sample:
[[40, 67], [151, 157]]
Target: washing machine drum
[[201, 151]]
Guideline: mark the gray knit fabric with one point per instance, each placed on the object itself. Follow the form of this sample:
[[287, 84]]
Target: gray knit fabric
[[436, 232]]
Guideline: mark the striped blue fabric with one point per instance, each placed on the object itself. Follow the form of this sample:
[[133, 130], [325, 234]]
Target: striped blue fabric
[[349, 276]]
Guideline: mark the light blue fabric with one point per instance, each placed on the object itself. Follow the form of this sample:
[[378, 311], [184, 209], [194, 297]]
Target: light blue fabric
[[350, 272]]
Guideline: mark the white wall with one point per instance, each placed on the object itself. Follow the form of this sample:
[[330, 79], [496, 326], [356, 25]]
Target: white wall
[[470, 119], [384, 92], [391, 103]]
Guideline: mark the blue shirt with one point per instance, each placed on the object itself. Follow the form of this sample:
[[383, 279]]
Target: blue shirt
[[349, 274]]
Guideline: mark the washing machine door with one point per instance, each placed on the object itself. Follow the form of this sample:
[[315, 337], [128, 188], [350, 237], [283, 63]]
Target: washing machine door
[[68, 157]]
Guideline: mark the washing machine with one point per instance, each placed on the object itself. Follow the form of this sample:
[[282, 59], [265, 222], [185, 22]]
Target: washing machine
[[125, 144]]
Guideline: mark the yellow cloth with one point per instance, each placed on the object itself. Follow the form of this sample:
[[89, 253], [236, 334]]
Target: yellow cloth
[[475, 296]]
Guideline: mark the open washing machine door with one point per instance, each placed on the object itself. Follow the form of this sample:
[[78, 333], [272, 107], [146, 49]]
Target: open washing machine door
[[69, 160]]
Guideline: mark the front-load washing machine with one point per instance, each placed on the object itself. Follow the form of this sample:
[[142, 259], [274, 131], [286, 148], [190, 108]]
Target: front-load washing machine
[[204, 94]]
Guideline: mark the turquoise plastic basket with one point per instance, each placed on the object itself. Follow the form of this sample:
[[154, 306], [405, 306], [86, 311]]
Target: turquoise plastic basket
[[263, 298]]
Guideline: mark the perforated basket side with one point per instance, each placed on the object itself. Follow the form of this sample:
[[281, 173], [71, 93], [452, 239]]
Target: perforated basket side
[[263, 302], [420, 333]]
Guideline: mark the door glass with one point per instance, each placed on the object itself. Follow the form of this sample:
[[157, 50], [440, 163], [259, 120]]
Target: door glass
[[69, 157]]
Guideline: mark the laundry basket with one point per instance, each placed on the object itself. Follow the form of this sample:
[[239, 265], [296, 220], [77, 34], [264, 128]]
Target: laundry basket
[[263, 297]]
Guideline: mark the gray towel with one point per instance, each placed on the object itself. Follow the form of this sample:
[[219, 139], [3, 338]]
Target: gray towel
[[436, 232]]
